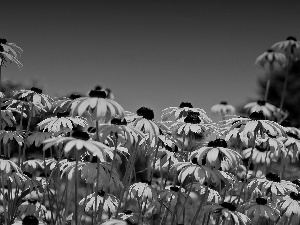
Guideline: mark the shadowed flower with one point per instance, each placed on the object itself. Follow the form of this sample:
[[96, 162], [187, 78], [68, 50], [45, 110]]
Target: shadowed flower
[[290, 206], [222, 108], [290, 47], [269, 110], [261, 207], [272, 183], [10, 133], [32, 207], [9, 51], [7, 166], [228, 213], [271, 60], [142, 191], [97, 104], [110, 203], [81, 140], [212, 195], [31, 165], [38, 137], [64, 104]]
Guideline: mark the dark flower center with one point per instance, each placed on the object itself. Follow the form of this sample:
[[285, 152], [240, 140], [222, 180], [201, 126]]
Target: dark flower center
[[27, 174], [295, 196], [1, 48], [127, 212], [217, 143], [62, 114], [261, 102], [229, 206], [116, 121], [94, 159], [261, 201], [98, 87], [286, 123], [257, 116], [101, 193], [32, 201], [80, 135], [270, 50], [97, 94], [4, 157], [261, 149], [30, 220], [185, 105], [195, 161], [297, 182], [30, 158], [174, 188], [146, 182], [36, 90], [71, 159], [146, 113], [223, 103], [3, 41], [273, 177], [9, 128], [74, 96], [192, 117], [91, 129], [295, 136], [291, 38]]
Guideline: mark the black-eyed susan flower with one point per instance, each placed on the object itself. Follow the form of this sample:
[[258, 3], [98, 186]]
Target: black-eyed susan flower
[[290, 206], [110, 202], [97, 104], [142, 191], [9, 51], [212, 195], [222, 108], [81, 140], [31, 165], [290, 47], [64, 104], [272, 183], [214, 153], [10, 133], [29, 220], [271, 60], [292, 144], [32, 207], [182, 111], [227, 211], [261, 207], [61, 122], [268, 109], [144, 122], [7, 116], [166, 158], [38, 137], [7, 166], [260, 155], [34, 95]]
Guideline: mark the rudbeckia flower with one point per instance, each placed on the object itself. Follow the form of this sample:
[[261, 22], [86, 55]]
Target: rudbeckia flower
[[9, 51], [80, 140], [271, 60], [32, 207], [7, 166], [292, 144], [97, 104], [212, 195], [166, 158], [31, 165], [61, 122], [260, 155], [272, 183], [222, 108], [64, 104], [38, 137], [290, 206], [260, 207], [7, 116], [10, 133], [110, 203], [182, 111], [29, 220], [216, 152], [290, 47], [227, 212], [34, 95], [108, 91], [269, 110], [142, 191]]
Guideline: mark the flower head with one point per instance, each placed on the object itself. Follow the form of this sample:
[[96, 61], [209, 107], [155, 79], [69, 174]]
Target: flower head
[[222, 108], [271, 60], [290, 47], [9, 51], [268, 109]]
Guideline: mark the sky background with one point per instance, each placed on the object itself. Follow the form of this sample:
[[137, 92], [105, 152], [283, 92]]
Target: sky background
[[150, 53]]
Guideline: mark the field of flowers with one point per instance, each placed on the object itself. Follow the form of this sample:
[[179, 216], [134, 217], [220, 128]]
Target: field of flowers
[[84, 160]]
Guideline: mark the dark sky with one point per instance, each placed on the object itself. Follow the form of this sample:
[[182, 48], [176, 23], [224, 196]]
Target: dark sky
[[150, 53]]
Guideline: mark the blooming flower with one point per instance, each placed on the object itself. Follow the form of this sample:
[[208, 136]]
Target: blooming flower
[[270, 60], [290, 47], [38, 137], [97, 104], [222, 108], [9, 51], [7, 166], [216, 152], [34, 95], [10, 133], [64, 104], [142, 191], [227, 211], [110, 202], [290, 206], [272, 183], [7, 116], [260, 207], [212, 195], [31, 164], [29, 220], [32, 207], [80, 140], [268, 109], [62, 121]]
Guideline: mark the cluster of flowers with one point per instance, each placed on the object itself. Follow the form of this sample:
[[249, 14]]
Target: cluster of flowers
[[92, 144]]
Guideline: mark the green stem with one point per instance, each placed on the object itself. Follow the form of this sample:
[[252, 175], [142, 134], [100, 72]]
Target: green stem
[[200, 206], [76, 188], [267, 87], [284, 90]]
